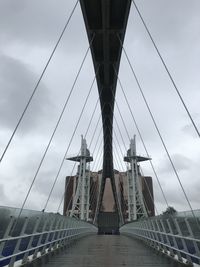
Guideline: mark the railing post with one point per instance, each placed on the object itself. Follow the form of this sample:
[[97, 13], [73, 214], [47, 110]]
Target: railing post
[[149, 234], [40, 238], [189, 260], [31, 240], [62, 233], [170, 249], [160, 229], [175, 241], [193, 241], [52, 245], [153, 233], [6, 234], [12, 261]]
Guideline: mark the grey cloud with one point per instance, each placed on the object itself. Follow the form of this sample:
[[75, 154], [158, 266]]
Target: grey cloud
[[39, 23], [181, 163], [35, 25], [29, 21], [17, 82], [2, 193], [169, 21], [189, 128]]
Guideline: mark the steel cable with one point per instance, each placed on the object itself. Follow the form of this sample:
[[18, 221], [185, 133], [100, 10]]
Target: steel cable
[[38, 83], [167, 70], [142, 140], [51, 138], [80, 116], [159, 134], [80, 150]]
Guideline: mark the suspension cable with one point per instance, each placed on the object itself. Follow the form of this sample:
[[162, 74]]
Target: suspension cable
[[79, 151], [159, 133], [122, 120], [62, 199], [117, 157], [95, 108], [150, 194], [167, 70], [95, 146], [98, 154], [99, 167], [136, 125], [80, 116], [125, 148], [142, 140], [118, 143], [38, 82], [93, 195], [54, 131], [95, 130], [66, 186], [142, 175]]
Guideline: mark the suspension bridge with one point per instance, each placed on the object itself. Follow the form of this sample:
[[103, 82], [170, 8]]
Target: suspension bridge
[[109, 217]]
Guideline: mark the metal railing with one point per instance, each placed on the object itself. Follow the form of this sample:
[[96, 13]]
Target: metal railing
[[36, 234], [178, 237]]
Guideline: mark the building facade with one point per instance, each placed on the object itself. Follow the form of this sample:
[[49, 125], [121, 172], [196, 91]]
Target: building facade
[[108, 204]]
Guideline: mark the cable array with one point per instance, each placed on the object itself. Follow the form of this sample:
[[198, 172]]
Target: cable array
[[158, 131], [166, 69], [38, 82]]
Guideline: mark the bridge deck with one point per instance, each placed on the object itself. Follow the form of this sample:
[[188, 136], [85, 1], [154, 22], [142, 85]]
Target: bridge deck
[[110, 251]]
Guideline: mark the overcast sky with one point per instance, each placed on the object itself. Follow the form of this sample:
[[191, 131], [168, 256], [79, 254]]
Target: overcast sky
[[28, 32]]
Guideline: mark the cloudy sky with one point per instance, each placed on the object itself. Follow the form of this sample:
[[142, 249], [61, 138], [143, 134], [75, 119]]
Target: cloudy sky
[[28, 33]]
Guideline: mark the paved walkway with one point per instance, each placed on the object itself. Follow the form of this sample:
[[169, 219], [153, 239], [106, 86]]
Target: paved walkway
[[110, 251]]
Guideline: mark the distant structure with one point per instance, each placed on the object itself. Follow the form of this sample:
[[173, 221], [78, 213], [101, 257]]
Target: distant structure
[[108, 201], [136, 201], [71, 184], [81, 197], [134, 191]]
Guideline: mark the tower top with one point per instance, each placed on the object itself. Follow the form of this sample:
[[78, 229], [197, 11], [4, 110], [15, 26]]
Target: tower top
[[132, 154]]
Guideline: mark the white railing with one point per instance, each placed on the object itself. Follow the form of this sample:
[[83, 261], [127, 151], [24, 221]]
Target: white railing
[[37, 235], [178, 237]]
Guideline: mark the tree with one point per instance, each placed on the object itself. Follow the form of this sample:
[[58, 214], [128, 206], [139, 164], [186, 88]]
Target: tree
[[169, 211]]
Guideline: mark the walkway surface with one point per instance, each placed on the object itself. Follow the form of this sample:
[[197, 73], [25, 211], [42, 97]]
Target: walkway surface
[[110, 251]]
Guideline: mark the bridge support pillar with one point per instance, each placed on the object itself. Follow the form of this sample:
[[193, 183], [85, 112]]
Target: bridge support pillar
[[81, 200], [136, 206]]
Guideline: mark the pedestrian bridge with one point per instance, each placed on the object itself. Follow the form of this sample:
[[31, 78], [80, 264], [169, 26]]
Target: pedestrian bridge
[[130, 235], [51, 239]]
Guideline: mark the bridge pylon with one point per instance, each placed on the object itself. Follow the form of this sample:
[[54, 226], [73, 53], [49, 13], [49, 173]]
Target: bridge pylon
[[81, 200], [136, 205]]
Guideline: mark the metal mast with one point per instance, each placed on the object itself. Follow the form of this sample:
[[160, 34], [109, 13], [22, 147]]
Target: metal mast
[[81, 200], [136, 207]]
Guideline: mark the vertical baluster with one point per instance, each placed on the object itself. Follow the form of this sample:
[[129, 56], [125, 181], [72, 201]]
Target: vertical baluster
[[150, 235], [40, 237], [170, 249], [12, 261], [192, 236], [147, 233], [62, 233], [189, 260], [6, 234], [52, 245], [65, 233], [25, 258], [154, 224], [160, 229], [175, 241]]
